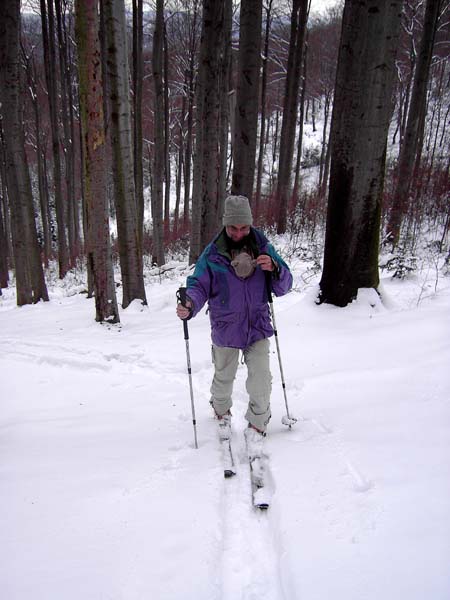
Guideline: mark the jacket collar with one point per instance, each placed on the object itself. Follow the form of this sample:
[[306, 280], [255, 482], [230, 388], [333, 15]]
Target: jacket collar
[[257, 242]]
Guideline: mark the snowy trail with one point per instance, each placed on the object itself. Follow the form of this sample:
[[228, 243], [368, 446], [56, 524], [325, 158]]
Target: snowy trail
[[250, 555]]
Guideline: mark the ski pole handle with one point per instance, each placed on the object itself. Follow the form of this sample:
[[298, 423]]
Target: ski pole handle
[[181, 299]]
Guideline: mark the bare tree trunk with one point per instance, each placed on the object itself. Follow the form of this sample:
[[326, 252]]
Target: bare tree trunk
[[138, 74], [43, 190], [361, 115], [4, 199], [262, 137], [90, 276], [298, 30], [188, 151], [179, 170], [205, 200], [130, 249], [166, 137], [190, 82], [409, 148], [30, 282], [323, 175], [69, 73], [158, 158], [224, 92], [300, 124], [48, 38], [247, 98], [4, 274], [68, 143], [94, 161]]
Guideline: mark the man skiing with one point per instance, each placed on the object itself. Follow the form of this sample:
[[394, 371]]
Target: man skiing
[[232, 274]]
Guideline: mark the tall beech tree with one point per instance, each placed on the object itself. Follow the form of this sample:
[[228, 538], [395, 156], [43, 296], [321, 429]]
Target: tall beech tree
[[30, 282], [159, 146], [360, 121], [205, 198], [98, 248], [138, 74], [247, 98], [130, 247]]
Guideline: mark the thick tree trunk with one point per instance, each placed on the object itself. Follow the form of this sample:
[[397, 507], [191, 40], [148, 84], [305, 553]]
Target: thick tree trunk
[[130, 249], [410, 146], [360, 121], [4, 273], [158, 126], [30, 282], [205, 201], [247, 98], [138, 74], [98, 248], [287, 141]]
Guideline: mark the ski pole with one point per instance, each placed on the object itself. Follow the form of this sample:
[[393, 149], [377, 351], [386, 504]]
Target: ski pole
[[287, 419], [181, 299]]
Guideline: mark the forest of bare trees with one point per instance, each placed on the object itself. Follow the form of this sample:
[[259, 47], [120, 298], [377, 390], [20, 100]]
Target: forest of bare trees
[[124, 125]]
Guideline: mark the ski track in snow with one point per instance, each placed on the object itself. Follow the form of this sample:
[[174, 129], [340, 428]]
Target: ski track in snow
[[251, 555]]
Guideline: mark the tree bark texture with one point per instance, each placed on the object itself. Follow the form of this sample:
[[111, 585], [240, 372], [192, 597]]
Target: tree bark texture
[[130, 249], [159, 146], [247, 98], [98, 247], [190, 85], [205, 199], [224, 116], [138, 74], [67, 117], [288, 128], [4, 273], [360, 121], [262, 137], [48, 38], [409, 150], [30, 282], [43, 189]]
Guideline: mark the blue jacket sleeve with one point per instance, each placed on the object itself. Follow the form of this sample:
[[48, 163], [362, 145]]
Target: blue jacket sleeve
[[282, 278], [199, 283]]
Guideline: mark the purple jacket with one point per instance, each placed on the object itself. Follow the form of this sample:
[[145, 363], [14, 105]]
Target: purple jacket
[[238, 308]]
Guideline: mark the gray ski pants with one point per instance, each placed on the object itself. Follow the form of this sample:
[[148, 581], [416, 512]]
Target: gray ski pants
[[258, 385]]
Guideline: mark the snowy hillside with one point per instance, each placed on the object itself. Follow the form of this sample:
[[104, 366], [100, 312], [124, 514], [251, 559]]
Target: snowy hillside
[[103, 496]]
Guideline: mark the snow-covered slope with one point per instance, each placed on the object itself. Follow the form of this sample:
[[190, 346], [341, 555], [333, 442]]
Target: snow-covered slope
[[104, 497]]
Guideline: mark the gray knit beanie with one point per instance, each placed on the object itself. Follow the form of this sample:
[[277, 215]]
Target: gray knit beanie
[[237, 211]]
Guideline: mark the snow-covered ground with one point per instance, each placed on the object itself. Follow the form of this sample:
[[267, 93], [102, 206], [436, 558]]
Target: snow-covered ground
[[103, 496]]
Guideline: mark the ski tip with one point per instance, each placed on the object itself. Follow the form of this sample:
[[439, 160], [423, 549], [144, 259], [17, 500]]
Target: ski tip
[[228, 473]]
